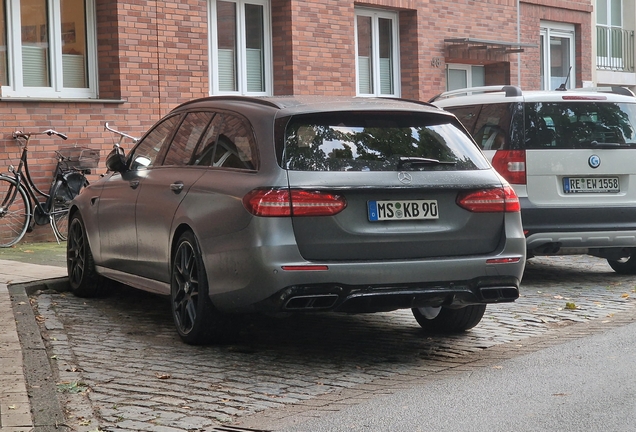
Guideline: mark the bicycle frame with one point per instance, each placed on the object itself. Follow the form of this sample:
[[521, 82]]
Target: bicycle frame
[[23, 171]]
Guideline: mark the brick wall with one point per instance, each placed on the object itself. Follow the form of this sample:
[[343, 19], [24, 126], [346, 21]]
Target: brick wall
[[153, 55]]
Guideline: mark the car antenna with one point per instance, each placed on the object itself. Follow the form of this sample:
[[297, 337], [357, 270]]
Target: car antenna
[[562, 86]]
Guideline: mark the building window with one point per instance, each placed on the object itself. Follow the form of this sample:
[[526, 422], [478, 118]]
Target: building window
[[610, 36], [47, 49], [557, 56], [377, 48], [460, 76], [240, 33]]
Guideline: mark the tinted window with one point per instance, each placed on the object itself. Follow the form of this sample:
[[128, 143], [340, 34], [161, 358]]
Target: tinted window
[[186, 138], [377, 142], [489, 124], [229, 143], [146, 152], [205, 151], [571, 125], [235, 147]]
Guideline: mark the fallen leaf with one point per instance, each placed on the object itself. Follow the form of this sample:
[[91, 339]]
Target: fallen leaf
[[11, 406], [558, 297], [162, 376], [497, 367], [625, 296], [560, 394], [571, 306]]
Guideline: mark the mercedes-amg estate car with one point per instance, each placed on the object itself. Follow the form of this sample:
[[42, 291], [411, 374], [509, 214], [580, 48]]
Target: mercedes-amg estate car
[[302, 204], [569, 156]]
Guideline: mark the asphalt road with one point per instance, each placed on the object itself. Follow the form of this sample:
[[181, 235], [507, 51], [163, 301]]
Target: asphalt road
[[583, 385]]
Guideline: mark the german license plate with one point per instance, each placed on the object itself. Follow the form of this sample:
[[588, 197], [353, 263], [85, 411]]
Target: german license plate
[[403, 210], [590, 184]]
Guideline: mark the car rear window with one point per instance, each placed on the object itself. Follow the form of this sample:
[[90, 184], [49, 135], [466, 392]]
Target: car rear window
[[378, 141], [574, 125]]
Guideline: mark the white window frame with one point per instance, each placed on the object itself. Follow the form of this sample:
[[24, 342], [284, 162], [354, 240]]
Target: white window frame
[[15, 87], [375, 43], [466, 68], [560, 30], [241, 48]]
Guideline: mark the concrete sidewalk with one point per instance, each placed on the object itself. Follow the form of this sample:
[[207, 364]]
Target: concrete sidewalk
[[15, 406]]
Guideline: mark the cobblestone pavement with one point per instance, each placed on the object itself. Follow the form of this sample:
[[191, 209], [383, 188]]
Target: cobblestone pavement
[[121, 366]]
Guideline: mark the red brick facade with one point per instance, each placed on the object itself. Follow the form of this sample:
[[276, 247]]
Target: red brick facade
[[154, 55]]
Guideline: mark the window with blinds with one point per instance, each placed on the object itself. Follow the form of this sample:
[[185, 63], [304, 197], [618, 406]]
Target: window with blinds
[[241, 46], [377, 53], [51, 51]]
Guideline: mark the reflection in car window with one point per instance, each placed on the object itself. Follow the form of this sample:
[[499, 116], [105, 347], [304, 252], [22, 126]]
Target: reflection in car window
[[146, 152], [378, 142], [489, 124], [571, 125], [186, 138], [233, 147], [205, 151]]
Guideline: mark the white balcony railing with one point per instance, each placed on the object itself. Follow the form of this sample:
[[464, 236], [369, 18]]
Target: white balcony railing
[[614, 49]]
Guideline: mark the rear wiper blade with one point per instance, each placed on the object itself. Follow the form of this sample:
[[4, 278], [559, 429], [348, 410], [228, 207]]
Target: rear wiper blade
[[414, 160]]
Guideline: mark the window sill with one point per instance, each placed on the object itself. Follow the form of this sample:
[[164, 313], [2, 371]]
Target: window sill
[[68, 100]]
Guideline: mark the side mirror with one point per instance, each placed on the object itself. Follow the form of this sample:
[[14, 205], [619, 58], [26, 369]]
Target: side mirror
[[116, 161]]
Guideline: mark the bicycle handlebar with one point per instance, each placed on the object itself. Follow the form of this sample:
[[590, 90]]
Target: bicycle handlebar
[[27, 135], [122, 134]]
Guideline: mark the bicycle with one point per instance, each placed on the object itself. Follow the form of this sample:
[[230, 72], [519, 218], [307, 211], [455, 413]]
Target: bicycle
[[20, 205]]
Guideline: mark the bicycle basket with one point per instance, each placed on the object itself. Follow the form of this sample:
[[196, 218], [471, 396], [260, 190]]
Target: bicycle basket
[[79, 157]]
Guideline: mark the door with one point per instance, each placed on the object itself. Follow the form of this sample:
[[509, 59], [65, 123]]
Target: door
[[162, 191], [116, 212]]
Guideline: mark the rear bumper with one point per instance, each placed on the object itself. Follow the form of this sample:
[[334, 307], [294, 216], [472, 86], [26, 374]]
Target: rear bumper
[[364, 299], [265, 276], [551, 228]]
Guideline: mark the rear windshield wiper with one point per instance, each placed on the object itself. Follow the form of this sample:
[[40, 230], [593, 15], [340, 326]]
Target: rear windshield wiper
[[414, 160], [597, 144]]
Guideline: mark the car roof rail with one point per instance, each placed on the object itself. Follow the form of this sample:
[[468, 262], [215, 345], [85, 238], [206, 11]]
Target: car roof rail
[[510, 91], [607, 89]]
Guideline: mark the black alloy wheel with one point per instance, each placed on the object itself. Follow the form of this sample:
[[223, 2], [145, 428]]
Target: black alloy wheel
[[82, 277], [195, 317]]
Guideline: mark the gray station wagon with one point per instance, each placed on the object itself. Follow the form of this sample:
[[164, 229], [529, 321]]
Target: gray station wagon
[[233, 204]]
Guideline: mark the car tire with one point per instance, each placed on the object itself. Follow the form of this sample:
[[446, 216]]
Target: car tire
[[82, 277], [625, 266], [449, 320], [196, 319]]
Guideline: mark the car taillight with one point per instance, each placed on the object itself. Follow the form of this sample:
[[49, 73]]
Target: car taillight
[[511, 164], [490, 200], [294, 202]]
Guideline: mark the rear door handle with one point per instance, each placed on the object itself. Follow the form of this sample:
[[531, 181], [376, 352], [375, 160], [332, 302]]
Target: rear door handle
[[176, 187]]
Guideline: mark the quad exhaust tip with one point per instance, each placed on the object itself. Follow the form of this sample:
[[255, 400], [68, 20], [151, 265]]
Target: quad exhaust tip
[[496, 294], [311, 302]]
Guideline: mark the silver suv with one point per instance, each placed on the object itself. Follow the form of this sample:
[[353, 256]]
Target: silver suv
[[570, 156]]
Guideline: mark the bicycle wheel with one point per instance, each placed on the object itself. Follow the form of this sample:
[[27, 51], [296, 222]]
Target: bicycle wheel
[[15, 212], [63, 192]]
